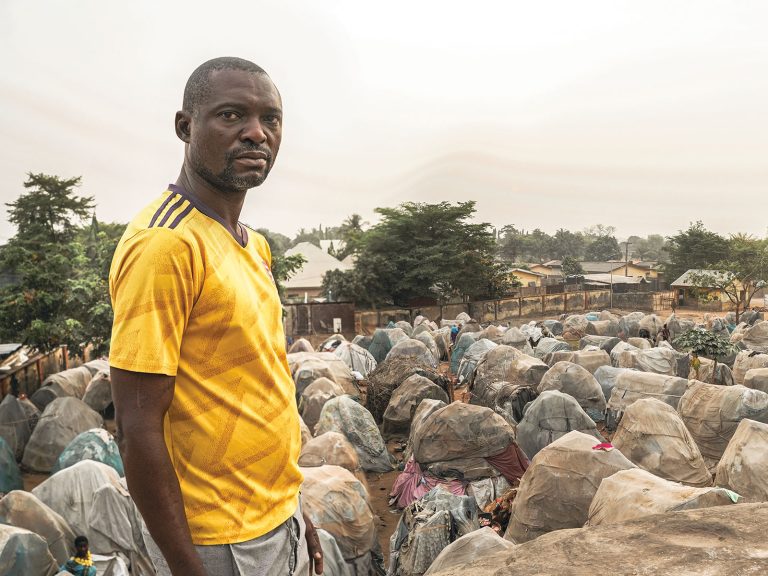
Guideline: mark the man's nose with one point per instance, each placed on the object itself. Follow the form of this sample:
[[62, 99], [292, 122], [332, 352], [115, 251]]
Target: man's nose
[[253, 131]]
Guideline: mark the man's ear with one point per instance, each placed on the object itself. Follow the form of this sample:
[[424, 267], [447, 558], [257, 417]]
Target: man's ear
[[183, 125]]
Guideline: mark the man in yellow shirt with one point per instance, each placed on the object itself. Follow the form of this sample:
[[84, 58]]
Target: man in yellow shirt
[[205, 404]]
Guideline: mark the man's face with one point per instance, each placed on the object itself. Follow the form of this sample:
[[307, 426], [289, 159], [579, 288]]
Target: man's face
[[235, 131], [82, 549]]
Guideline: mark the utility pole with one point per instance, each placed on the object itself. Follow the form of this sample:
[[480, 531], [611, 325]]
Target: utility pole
[[626, 258]]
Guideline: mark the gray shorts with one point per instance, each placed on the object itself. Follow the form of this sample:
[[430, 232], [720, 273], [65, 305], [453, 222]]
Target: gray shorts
[[281, 552]]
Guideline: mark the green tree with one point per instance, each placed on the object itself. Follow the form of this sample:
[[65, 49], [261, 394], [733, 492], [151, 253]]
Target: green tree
[[62, 266], [571, 267], [603, 248], [536, 246], [510, 243], [704, 343], [351, 232], [566, 244], [694, 248], [424, 250], [740, 274]]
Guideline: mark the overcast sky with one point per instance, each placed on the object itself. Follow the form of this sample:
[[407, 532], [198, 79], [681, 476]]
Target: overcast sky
[[642, 115]]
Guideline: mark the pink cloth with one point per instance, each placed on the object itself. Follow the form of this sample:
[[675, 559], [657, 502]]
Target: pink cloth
[[512, 462], [412, 484]]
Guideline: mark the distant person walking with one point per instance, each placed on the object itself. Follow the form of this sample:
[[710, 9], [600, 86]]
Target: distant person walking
[[695, 364], [454, 334]]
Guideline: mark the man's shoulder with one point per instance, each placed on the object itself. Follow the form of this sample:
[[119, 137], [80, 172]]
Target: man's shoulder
[[171, 210]]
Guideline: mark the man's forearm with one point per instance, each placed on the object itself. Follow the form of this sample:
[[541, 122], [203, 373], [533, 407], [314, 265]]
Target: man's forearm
[[155, 489]]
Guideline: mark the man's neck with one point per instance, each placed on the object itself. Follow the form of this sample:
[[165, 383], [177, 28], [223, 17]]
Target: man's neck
[[227, 205]]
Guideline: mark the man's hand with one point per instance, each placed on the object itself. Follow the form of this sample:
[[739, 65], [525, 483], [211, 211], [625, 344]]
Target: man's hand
[[313, 547]]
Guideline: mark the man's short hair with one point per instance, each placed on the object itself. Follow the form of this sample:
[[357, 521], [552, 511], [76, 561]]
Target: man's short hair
[[80, 540], [198, 86]]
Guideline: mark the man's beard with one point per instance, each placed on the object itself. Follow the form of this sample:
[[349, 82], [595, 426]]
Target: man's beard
[[228, 180]]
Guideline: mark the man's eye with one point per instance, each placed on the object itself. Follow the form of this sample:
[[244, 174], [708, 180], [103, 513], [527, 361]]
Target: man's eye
[[229, 115], [272, 119]]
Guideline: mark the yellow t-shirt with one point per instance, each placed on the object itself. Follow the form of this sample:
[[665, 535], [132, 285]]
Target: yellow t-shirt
[[191, 302]]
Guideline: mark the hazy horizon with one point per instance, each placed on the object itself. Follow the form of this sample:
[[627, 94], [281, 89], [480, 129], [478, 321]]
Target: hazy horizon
[[643, 116]]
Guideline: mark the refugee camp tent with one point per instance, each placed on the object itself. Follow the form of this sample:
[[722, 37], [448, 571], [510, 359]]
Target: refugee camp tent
[[514, 337], [23, 552], [468, 442], [460, 347], [629, 325], [576, 323], [389, 374], [471, 357], [10, 475], [716, 541], [555, 327], [603, 328], [314, 398], [755, 337], [95, 444], [17, 420], [656, 360], [24, 510], [301, 345], [344, 415], [330, 343], [711, 413], [632, 385], [576, 381], [404, 401], [332, 448], [589, 359], [429, 341], [744, 467], [306, 435], [606, 377], [333, 560], [465, 551], [98, 393], [383, 340], [423, 411], [405, 327], [442, 340], [747, 360], [306, 367], [506, 399], [337, 502], [631, 494], [549, 417], [72, 382], [61, 421], [559, 485], [652, 323], [602, 342], [93, 501], [652, 435], [426, 527], [757, 379], [411, 348], [548, 346], [507, 364]]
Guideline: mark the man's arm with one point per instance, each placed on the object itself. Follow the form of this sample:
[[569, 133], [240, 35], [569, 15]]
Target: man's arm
[[141, 401]]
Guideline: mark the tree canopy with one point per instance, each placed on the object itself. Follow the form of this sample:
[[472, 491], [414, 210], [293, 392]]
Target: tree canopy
[[422, 250], [61, 262], [694, 248]]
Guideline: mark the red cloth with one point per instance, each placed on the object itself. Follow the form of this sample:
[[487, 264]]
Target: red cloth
[[411, 484], [512, 462], [604, 446]]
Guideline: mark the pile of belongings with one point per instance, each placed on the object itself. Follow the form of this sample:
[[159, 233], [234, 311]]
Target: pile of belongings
[[426, 527], [338, 503], [384, 339], [660, 360], [471, 357], [745, 362], [342, 414], [591, 359], [413, 348], [332, 448], [357, 358], [459, 444], [465, 552], [10, 475], [314, 397]]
